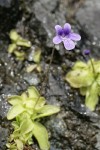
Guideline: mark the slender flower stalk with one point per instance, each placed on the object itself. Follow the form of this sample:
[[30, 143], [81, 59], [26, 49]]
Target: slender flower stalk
[[92, 64], [47, 72], [46, 77]]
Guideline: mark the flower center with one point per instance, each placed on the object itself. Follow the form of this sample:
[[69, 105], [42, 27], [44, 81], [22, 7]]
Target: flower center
[[63, 33]]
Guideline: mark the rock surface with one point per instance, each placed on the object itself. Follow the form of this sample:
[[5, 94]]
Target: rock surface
[[5, 3], [88, 18], [9, 15]]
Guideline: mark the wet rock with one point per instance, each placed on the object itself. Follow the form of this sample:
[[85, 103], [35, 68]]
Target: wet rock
[[2, 73], [58, 130], [4, 107], [88, 17], [58, 125], [47, 14], [31, 78], [83, 110], [11, 82], [98, 141], [55, 88], [3, 138], [97, 124], [9, 12], [5, 3]]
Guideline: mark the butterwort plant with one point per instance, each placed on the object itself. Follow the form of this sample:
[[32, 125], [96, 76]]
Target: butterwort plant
[[17, 45], [26, 112], [66, 36], [86, 77]]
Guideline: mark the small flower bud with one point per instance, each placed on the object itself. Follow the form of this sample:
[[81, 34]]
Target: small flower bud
[[86, 52]]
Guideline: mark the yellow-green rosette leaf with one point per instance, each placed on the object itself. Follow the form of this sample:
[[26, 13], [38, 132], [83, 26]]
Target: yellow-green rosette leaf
[[41, 135], [79, 78], [83, 90], [30, 103], [19, 144], [98, 83], [12, 48], [35, 103], [14, 35], [96, 65], [98, 80], [28, 138], [15, 111], [89, 62], [37, 67], [19, 55], [33, 92], [26, 126], [47, 110], [16, 134], [80, 65], [99, 90], [40, 102], [22, 117], [37, 55], [23, 42], [24, 96], [92, 97], [11, 146], [15, 100], [15, 125]]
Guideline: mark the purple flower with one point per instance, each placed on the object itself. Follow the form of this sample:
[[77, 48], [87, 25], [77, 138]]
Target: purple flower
[[66, 36], [86, 51]]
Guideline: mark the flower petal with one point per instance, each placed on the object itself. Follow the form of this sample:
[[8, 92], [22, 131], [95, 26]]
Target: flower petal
[[74, 36], [69, 44], [67, 28], [57, 40], [59, 30]]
